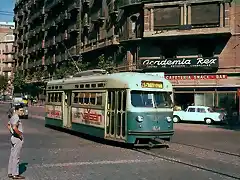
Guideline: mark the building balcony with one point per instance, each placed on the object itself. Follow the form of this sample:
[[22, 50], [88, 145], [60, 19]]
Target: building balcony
[[15, 31], [73, 51], [74, 6], [112, 8], [36, 15], [73, 28], [51, 3], [7, 69], [38, 29], [124, 3], [20, 54], [58, 58], [20, 13], [32, 49], [8, 51], [20, 40], [38, 62], [53, 41], [25, 52], [8, 60], [65, 16], [25, 22], [48, 60], [64, 56]]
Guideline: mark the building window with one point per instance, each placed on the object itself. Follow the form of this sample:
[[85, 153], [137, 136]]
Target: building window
[[205, 15], [167, 17]]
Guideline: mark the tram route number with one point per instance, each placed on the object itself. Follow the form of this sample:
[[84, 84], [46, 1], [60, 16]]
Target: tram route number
[[156, 128]]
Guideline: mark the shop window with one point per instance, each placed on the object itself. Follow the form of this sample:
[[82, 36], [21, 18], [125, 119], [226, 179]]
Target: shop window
[[227, 100], [209, 99]]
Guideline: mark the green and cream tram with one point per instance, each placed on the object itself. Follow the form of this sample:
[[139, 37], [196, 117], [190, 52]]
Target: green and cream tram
[[130, 107]]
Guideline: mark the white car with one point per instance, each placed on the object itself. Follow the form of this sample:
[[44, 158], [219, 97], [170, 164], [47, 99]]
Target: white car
[[198, 113]]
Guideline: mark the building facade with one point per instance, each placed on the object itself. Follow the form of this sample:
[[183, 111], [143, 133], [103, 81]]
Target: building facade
[[196, 43], [6, 53]]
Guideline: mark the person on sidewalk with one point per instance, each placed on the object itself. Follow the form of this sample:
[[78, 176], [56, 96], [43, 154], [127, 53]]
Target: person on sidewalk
[[16, 129]]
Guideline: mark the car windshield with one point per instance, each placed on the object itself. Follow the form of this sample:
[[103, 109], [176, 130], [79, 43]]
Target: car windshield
[[151, 99]]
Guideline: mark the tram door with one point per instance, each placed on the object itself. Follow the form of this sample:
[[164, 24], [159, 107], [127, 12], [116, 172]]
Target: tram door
[[67, 109], [115, 124]]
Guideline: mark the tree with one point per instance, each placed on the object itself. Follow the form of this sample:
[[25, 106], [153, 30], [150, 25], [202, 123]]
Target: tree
[[105, 63], [3, 82], [18, 82], [70, 69]]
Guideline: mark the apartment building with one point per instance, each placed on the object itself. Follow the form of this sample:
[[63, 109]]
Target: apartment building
[[195, 42], [6, 52]]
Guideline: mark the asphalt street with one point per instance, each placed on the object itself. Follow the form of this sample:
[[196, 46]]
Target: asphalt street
[[50, 154]]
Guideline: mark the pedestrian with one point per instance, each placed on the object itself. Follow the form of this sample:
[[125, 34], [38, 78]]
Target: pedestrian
[[16, 129]]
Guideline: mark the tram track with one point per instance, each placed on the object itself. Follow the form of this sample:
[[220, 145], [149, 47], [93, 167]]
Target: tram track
[[186, 163], [203, 148], [206, 159]]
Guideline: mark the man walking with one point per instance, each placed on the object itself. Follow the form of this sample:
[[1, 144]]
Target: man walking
[[16, 129]]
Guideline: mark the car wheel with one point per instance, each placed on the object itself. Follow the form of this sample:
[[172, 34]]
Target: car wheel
[[208, 121], [176, 119]]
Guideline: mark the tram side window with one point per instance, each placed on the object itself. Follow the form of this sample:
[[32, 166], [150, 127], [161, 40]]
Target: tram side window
[[75, 97], [88, 98], [81, 98], [99, 99], [93, 98], [54, 97]]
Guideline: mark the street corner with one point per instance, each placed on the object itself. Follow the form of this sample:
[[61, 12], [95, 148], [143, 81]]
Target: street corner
[[198, 127]]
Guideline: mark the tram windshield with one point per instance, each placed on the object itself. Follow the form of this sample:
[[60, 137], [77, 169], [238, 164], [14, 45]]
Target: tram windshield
[[151, 99]]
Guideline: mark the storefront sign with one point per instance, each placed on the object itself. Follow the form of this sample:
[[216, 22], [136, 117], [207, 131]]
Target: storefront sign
[[196, 77], [211, 62], [88, 116]]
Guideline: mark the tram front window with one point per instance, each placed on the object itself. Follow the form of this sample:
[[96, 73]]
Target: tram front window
[[151, 99]]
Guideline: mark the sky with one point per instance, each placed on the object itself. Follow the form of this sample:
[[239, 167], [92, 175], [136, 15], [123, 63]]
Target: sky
[[6, 10]]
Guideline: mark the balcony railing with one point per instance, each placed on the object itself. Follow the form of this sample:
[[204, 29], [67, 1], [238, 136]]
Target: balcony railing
[[53, 41], [73, 28], [73, 51], [51, 3], [8, 60], [58, 58], [64, 56], [9, 51], [7, 69], [65, 16], [124, 3], [74, 6], [36, 15]]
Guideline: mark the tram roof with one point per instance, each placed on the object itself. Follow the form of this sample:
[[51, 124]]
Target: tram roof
[[116, 80]]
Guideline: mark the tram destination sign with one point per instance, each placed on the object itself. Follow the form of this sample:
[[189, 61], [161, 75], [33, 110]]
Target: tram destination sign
[[201, 62], [152, 84]]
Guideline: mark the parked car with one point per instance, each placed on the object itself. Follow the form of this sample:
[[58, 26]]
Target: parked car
[[198, 113]]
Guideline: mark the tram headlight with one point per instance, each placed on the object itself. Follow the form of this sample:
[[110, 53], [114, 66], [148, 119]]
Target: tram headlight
[[139, 119], [169, 119]]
